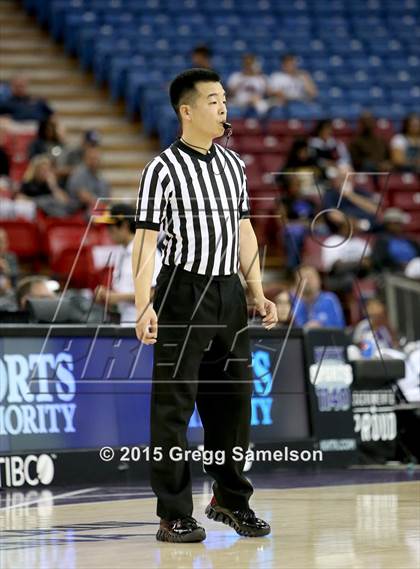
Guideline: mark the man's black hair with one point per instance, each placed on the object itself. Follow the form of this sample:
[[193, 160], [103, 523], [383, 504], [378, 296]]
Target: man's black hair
[[182, 88], [287, 56], [203, 49], [124, 213]]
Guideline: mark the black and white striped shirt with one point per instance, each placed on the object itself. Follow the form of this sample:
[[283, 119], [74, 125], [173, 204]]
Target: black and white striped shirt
[[197, 200]]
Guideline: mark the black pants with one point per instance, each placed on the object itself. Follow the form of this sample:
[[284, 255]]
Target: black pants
[[202, 356]]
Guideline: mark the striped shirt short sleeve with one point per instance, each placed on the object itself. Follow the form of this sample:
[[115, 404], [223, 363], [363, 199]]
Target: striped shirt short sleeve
[[244, 209], [153, 196]]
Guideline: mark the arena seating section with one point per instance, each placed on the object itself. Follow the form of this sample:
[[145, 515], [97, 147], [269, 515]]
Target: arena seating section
[[362, 54]]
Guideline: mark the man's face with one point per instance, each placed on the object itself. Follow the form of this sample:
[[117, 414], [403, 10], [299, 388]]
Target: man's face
[[116, 234], [283, 306], [200, 59], [38, 290], [312, 281], [395, 227], [207, 110], [376, 312], [289, 65], [92, 157], [19, 86], [4, 242]]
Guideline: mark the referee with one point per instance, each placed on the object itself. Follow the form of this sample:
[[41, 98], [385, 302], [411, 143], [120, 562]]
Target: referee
[[195, 191]]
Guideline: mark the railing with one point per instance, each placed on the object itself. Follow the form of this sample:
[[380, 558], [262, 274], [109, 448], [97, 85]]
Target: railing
[[403, 301]]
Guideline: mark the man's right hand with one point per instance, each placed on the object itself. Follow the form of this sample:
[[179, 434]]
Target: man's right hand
[[147, 326]]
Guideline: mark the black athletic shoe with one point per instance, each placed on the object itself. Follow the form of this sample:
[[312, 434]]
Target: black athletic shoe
[[244, 522], [182, 530]]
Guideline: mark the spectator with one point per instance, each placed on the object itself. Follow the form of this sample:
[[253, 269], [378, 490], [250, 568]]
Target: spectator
[[315, 308], [122, 227], [201, 57], [51, 141], [4, 157], [341, 197], [248, 88], [291, 83], [284, 307], [40, 184], [392, 249], [21, 106], [86, 184], [32, 287], [91, 138], [405, 147], [296, 211], [369, 152], [328, 150], [302, 163], [344, 252], [374, 330], [9, 266]]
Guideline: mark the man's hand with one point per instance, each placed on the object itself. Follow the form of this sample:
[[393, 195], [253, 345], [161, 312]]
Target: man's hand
[[268, 311], [147, 326]]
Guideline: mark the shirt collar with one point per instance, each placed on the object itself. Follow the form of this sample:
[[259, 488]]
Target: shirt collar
[[195, 153]]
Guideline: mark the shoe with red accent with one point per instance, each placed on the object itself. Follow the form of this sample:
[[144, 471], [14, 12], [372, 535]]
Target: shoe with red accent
[[182, 530], [244, 522]]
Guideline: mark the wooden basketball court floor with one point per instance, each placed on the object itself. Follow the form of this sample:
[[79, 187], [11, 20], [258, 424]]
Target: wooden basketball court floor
[[346, 520]]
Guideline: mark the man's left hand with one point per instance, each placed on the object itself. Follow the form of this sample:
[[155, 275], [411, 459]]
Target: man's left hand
[[268, 311]]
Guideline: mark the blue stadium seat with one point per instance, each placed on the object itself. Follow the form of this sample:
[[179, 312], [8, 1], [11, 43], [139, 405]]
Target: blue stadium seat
[[363, 53]]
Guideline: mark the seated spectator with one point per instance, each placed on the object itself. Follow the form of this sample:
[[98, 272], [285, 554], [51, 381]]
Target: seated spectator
[[21, 105], [345, 256], [40, 184], [122, 227], [344, 248], [291, 83], [302, 163], [369, 152], [9, 265], [51, 141], [313, 307], [329, 151], [86, 184], [341, 197], [284, 307], [296, 211], [201, 57], [4, 157], [32, 287], [90, 138], [248, 88], [405, 147], [374, 331], [393, 250]]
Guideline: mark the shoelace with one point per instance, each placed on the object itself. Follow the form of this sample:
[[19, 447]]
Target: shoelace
[[246, 515], [188, 521]]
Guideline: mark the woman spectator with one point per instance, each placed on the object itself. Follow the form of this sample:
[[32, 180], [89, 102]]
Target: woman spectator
[[301, 162], [329, 150], [296, 211], [405, 147], [369, 152], [51, 141], [40, 184]]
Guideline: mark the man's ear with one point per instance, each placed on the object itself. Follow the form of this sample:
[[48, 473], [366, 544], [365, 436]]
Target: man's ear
[[185, 112]]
